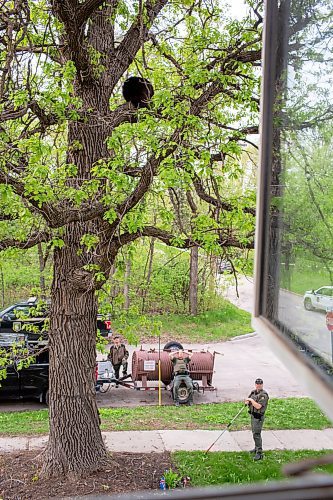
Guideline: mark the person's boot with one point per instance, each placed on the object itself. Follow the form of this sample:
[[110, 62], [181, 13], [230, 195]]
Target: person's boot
[[253, 451], [258, 456]]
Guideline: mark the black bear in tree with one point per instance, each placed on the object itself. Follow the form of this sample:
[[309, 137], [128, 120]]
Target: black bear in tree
[[138, 91]]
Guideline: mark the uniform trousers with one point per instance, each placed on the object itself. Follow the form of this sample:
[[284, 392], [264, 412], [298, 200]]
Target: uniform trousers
[[256, 426]]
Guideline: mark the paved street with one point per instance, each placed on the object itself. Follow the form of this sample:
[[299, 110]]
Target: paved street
[[310, 326]]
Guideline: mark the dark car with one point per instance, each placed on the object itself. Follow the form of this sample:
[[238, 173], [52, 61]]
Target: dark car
[[29, 382], [11, 319], [225, 267]]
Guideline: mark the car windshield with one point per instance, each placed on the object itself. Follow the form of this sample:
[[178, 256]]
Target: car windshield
[[4, 311]]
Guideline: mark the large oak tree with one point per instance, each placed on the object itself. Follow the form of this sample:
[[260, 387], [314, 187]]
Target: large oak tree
[[80, 168]]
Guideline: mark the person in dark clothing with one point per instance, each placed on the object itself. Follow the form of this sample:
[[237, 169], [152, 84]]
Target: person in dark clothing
[[118, 356], [180, 361], [257, 402]]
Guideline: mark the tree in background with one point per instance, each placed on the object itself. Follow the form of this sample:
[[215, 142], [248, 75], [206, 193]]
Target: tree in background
[[81, 169]]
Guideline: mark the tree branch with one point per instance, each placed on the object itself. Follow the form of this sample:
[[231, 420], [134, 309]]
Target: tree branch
[[137, 34], [214, 201], [32, 240], [88, 8], [171, 239]]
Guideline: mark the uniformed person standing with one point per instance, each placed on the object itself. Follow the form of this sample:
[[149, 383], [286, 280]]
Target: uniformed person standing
[[257, 402]]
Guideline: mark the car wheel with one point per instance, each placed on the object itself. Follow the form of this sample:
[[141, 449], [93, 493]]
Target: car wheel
[[172, 346], [308, 304]]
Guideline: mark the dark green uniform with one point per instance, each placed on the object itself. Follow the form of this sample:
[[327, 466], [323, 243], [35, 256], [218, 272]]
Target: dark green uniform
[[182, 375], [258, 417]]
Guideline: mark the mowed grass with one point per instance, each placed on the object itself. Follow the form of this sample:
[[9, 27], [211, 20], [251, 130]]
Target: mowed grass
[[291, 413], [216, 325], [304, 276], [28, 423], [238, 467]]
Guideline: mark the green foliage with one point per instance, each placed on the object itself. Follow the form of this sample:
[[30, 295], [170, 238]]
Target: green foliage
[[215, 325], [134, 326], [171, 131], [21, 276], [305, 272], [238, 467], [172, 479]]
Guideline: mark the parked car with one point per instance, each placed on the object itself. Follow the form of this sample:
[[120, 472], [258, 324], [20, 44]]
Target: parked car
[[319, 299], [10, 319], [30, 382], [225, 267]]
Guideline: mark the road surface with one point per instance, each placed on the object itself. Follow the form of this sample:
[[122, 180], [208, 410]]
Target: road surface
[[310, 326]]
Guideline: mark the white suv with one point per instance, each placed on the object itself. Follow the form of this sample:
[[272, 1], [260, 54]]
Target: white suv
[[319, 299]]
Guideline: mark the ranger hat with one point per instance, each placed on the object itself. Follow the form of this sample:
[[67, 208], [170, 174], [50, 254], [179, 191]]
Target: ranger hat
[[259, 381]]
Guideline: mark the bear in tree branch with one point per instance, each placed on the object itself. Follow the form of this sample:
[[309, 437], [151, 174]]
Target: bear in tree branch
[[138, 91]]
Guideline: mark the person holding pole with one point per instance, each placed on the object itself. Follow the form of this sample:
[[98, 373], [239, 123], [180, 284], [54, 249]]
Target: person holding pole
[[180, 360], [257, 403]]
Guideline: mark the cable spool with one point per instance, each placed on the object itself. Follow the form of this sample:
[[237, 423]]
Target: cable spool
[[138, 359], [201, 364]]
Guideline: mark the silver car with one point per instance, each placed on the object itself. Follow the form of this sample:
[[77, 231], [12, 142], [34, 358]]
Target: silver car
[[319, 299]]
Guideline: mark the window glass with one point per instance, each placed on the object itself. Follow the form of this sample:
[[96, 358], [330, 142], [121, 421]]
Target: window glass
[[21, 310], [301, 190]]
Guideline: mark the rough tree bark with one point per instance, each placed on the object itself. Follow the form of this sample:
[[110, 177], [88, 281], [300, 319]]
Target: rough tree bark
[[72, 337]]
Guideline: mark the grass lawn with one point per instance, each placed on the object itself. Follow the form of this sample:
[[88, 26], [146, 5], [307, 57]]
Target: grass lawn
[[292, 413], [238, 467], [304, 275], [216, 325]]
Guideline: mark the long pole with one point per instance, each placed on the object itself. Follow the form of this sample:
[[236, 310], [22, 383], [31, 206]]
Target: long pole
[[159, 373], [229, 424]]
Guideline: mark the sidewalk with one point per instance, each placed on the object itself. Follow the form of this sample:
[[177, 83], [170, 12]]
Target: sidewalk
[[198, 440]]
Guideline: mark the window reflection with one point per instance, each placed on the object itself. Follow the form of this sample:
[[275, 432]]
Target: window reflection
[[301, 226]]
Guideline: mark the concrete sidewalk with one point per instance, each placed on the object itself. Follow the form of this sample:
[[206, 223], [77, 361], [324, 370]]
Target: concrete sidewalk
[[197, 440]]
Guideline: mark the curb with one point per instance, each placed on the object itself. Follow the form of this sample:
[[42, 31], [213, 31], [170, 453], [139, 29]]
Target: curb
[[241, 337]]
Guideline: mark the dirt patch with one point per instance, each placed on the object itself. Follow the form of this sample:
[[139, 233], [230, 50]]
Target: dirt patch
[[126, 472]]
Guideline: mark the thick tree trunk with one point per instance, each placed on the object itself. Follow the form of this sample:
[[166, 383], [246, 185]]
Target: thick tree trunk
[[193, 293], [75, 442]]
